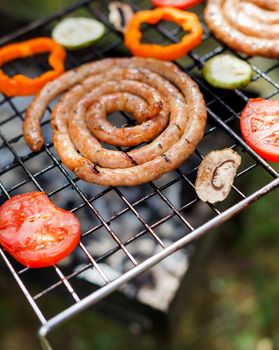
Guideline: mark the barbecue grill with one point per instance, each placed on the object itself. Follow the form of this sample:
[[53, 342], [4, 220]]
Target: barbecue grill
[[18, 173]]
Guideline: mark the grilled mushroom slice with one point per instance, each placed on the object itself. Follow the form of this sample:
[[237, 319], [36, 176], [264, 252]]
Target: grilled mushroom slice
[[119, 15], [216, 175]]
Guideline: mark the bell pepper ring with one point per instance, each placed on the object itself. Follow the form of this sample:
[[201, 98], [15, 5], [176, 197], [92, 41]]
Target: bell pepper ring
[[187, 20], [21, 85], [180, 4]]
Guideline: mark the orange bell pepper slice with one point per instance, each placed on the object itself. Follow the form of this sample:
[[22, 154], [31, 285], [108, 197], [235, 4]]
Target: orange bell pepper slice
[[187, 20], [21, 85]]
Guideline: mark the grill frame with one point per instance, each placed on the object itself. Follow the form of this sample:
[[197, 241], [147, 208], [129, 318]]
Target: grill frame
[[83, 303]]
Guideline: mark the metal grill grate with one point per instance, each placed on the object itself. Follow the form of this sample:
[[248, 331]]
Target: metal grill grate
[[22, 171]]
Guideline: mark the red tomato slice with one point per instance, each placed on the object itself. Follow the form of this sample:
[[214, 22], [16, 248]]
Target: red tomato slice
[[181, 4], [35, 232], [259, 123]]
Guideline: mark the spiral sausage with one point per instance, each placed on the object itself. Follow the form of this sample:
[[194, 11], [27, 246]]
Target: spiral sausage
[[165, 102], [248, 26]]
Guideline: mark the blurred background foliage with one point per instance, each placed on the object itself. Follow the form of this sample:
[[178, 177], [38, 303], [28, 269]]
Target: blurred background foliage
[[32, 9]]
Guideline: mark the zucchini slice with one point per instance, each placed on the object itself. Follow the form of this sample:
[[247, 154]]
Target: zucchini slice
[[77, 32], [227, 72]]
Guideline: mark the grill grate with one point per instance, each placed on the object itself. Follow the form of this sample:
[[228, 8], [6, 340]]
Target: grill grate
[[22, 171]]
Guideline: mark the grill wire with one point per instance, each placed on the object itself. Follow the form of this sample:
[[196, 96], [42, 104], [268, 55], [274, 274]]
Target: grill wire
[[19, 170]]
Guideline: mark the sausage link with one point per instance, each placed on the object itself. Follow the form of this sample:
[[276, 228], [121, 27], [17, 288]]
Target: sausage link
[[245, 31], [155, 92]]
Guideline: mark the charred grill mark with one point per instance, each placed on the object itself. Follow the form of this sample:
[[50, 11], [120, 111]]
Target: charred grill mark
[[54, 126], [178, 127], [219, 188], [131, 159], [166, 158], [94, 169], [160, 104]]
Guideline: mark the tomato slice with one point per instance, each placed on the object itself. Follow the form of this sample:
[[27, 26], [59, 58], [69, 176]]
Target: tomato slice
[[181, 4], [259, 123], [35, 232]]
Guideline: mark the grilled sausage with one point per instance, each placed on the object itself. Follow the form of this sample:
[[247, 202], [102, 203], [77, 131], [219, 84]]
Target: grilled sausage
[[246, 23], [31, 126], [268, 4], [249, 26], [113, 159], [161, 89]]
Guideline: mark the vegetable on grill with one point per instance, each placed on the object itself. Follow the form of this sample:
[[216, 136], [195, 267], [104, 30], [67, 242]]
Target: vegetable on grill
[[227, 72], [259, 123], [216, 175], [119, 15], [21, 85], [77, 32], [187, 20], [35, 232]]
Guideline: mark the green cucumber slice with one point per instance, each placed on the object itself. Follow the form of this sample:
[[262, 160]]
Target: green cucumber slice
[[77, 32], [227, 72]]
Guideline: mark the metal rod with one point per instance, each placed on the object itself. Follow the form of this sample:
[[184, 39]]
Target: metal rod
[[108, 289], [24, 289]]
